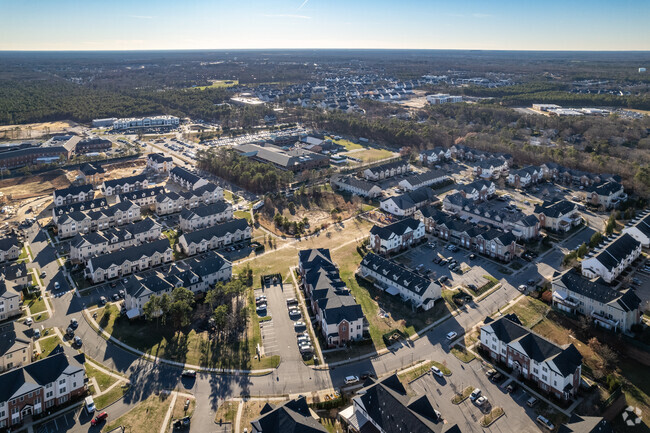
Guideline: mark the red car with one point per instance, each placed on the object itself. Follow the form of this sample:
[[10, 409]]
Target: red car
[[99, 418]]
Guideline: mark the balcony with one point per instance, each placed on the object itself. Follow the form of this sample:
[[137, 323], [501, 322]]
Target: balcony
[[605, 321]]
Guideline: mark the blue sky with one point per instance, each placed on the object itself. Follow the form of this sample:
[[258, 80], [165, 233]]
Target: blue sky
[[420, 24]]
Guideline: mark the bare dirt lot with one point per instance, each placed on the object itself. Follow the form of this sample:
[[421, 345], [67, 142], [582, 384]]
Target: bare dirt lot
[[34, 186], [124, 169], [35, 130]]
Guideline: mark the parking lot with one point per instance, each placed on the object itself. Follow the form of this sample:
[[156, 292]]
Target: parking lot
[[278, 334], [518, 417], [478, 267], [60, 424]]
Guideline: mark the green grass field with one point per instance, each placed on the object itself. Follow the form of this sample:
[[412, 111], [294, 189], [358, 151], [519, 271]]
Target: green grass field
[[216, 84]]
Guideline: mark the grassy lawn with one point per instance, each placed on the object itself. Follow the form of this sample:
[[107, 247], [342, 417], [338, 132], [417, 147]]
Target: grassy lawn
[[492, 416], [370, 155], [346, 143], [489, 285], [460, 397], [186, 346], [226, 412], [111, 396], [462, 353], [250, 412], [179, 407], [413, 374], [37, 305], [227, 195], [146, 416], [103, 380], [218, 84], [529, 310], [35, 277], [448, 296], [48, 344], [172, 235], [243, 214], [24, 256]]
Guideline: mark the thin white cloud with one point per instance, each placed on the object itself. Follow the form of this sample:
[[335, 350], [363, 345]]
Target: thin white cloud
[[303, 4], [478, 15], [302, 17], [142, 17]]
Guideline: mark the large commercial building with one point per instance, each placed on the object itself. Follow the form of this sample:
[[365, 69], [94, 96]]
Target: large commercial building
[[292, 159], [146, 122]]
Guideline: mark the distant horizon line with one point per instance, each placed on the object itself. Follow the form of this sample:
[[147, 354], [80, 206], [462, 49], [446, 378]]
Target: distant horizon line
[[316, 49]]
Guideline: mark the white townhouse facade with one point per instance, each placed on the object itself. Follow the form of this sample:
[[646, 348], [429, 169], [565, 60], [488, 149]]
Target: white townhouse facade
[[10, 300], [125, 184], [424, 179], [83, 222], [612, 259], [134, 259], [217, 236], [396, 236], [205, 216], [640, 229], [555, 369], [73, 194], [395, 279], [10, 248], [160, 163], [607, 307], [385, 171], [356, 186]]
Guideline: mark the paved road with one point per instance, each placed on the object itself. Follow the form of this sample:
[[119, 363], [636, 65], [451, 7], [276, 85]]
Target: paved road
[[291, 377]]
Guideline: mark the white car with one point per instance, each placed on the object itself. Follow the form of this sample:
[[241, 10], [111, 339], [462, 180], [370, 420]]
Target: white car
[[435, 370], [451, 335], [475, 394], [57, 286], [522, 288], [351, 379], [481, 400], [29, 321], [545, 422]]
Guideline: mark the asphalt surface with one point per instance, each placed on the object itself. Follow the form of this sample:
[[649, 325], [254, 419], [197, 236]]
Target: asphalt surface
[[291, 377]]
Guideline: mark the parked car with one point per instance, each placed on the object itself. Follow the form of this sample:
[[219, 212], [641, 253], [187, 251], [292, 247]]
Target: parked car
[[57, 286], [442, 279], [472, 287], [475, 394], [43, 274], [451, 335], [116, 297], [522, 288], [29, 321], [37, 334], [69, 332], [73, 323], [102, 300], [545, 422], [121, 294], [188, 373], [292, 301], [298, 325], [77, 341], [481, 400], [182, 423], [512, 387], [435, 370], [497, 378], [491, 372], [351, 379], [472, 256], [531, 402], [99, 418]]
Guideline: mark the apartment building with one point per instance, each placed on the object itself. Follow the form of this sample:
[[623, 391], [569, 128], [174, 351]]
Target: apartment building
[[395, 279], [555, 369], [146, 122], [612, 259], [479, 190], [187, 179], [385, 406], [128, 261], [406, 204], [396, 236], [386, 171], [617, 310], [639, 229], [524, 177], [92, 174], [59, 211], [160, 163], [435, 155], [205, 216], [356, 186], [559, 215], [294, 416], [125, 184], [197, 274], [83, 247], [16, 345], [16, 274], [217, 236], [73, 194], [82, 222], [143, 197], [40, 386], [10, 248], [338, 316], [10, 300], [443, 98], [423, 179], [608, 194], [490, 168]]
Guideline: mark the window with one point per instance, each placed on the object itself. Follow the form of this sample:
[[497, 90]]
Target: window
[[49, 394], [544, 377], [62, 381]]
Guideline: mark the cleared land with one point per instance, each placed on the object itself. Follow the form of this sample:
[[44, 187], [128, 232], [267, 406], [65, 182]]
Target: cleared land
[[34, 186], [367, 155], [215, 84], [35, 130]]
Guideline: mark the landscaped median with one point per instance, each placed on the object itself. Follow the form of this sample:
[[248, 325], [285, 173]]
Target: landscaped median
[[462, 396], [184, 347], [491, 417], [421, 369], [462, 353], [148, 415]]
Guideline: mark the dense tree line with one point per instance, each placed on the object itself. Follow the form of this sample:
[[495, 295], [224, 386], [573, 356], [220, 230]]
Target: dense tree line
[[252, 175]]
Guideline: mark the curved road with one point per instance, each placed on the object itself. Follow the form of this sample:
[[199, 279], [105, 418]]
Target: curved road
[[291, 377]]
